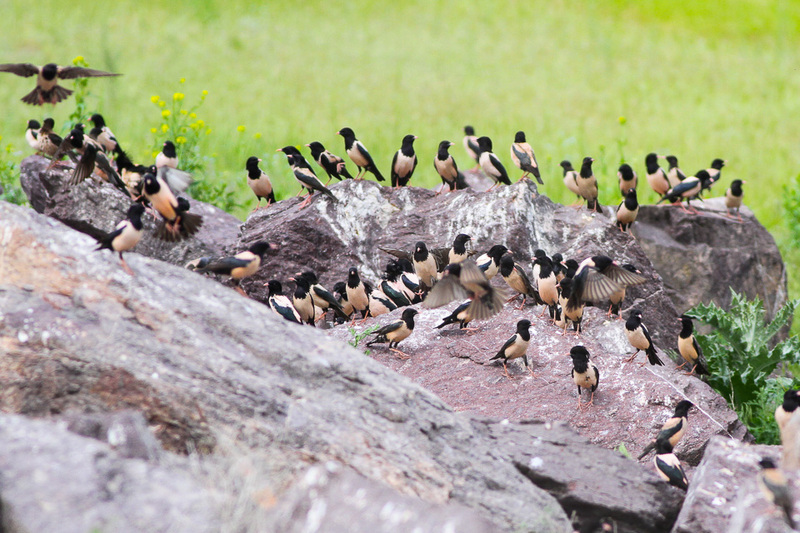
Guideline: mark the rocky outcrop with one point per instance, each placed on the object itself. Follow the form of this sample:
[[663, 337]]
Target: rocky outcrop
[[96, 208], [206, 366], [701, 257], [724, 495]]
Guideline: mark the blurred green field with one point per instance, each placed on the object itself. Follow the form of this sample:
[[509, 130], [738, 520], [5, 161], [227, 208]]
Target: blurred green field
[[698, 80]]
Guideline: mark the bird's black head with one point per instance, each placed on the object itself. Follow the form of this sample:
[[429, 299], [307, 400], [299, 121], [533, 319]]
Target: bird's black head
[[705, 178], [135, 211], [718, 164], [601, 262], [519, 137], [469, 130], [791, 395], [340, 287], [151, 185], [347, 133], [682, 409], [252, 163], [496, 252], [579, 353], [408, 140], [405, 265], [523, 325], [539, 253], [444, 146], [33, 125], [420, 251], [766, 463], [557, 258], [260, 248], [311, 276], [572, 266], [461, 239], [566, 287], [587, 163], [289, 150], [506, 265], [49, 123], [352, 277], [566, 165], [631, 268], [636, 313], [75, 138], [302, 282], [688, 325], [274, 287], [631, 200], [485, 144], [672, 160], [183, 205], [97, 120], [651, 159], [49, 71], [736, 187], [316, 149], [408, 314], [81, 127], [626, 172], [393, 270], [169, 149]]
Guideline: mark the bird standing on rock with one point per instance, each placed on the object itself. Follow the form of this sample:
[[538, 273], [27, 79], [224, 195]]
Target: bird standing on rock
[[259, 182], [689, 348], [668, 467], [105, 136], [490, 163], [459, 315], [640, 339], [280, 303], [714, 173], [517, 279], [656, 176], [584, 373], [776, 490], [674, 174], [47, 90], [516, 346], [471, 146], [358, 154], [321, 296], [571, 179], [587, 184], [395, 332], [733, 198], [570, 312], [627, 179], [404, 162], [673, 429], [48, 142], [303, 302], [307, 179], [627, 211], [333, 165], [489, 263], [447, 169], [125, 236], [523, 157], [686, 190], [241, 265]]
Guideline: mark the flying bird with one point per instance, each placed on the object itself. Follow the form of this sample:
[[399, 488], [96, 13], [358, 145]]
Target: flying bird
[[466, 280], [47, 90]]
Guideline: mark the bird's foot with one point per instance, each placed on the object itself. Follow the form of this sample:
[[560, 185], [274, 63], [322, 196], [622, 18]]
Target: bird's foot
[[631, 358], [305, 202], [126, 268], [680, 366], [400, 355], [241, 291]]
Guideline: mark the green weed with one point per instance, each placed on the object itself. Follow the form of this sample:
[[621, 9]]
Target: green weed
[[10, 190], [357, 337]]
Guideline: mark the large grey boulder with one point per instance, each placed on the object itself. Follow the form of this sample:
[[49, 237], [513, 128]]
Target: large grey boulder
[[200, 361], [96, 208]]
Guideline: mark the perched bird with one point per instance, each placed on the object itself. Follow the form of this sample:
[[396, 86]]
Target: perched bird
[[587, 184], [733, 198], [489, 263], [359, 155], [547, 284], [404, 162], [241, 265], [299, 159], [668, 467], [259, 182], [333, 165], [571, 178], [47, 142], [791, 401], [471, 146], [379, 303], [132, 175], [424, 264], [47, 90], [714, 173], [516, 346], [674, 174], [584, 373], [570, 312], [465, 280], [125, 236], [656, 176], [306, 178], [404, 280], [458, 252], [517, 279], [303, 302], [598, 277], [775, 488], [459, 315], [640, 339], [490, 164], [94, 158], [394, 291], [105, 136], [627, 211], [522, 155], [72, 146], [323, 298], [689, 348], [167, 157], [673, 429], [685, 190], [31, 133], [340, 288], [571, 268], [443, 256], [280, 303], [627, 179], [395, 332], [446, 167], [558, 266], [357, 293], [618, 296], [177, 222]]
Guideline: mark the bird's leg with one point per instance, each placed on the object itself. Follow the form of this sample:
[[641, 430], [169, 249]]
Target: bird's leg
[[240, 291], [400, 355], [610, 307], [506, 369], [301, 191], [125, 266], [681, 366], [543, 310], [631, 358], [690, 373], [522, 304], [591, 401], [305, 202], [580, 406]]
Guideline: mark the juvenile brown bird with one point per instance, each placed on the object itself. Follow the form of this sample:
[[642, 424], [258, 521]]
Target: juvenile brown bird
[[587, 184], [640, 339], [627, 179], [689, 348], [584, 373], [404, 162], [627, 211], [395, 332], [125, 236], [47, 90], [523, 157], [465, 280], [668, 467], [259, 182], [733, 198], [240, 266], [516, 346], [776, 490], [673, 429]]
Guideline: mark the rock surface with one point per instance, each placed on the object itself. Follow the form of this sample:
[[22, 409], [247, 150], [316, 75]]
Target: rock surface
[[723, 492], [199, 361], [630, 405], [597, 486], [716, 254], [95, 209]]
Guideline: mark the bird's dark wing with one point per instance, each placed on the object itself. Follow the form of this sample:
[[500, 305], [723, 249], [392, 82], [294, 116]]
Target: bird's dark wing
[[84, 168], [596, 378], [471, 273], [394, 174], [67, 73], [397, 297], [598, 287], [675, 473], [388, 328], [442, 257], [506, 346], [449, 288], [623, 277], [20, 69], [225, 265], [400, 254], [474, 147], [104, 164], [525, 280], [670, 428], [524, 158], [365, 154], [286, 311], [702, 365]]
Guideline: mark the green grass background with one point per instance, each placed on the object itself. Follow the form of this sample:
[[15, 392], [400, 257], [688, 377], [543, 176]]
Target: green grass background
[[696, 79]]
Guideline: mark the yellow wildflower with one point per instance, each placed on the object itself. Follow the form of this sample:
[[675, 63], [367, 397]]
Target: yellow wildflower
[[177, 97], [165, 113]]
